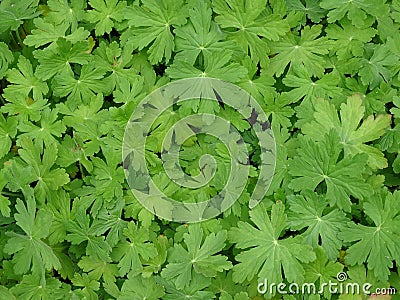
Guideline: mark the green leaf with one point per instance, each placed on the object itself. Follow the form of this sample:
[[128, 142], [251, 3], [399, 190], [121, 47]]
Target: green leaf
[[6, 294], [322, 272], [217, 66], [279, 108], [8, 131], [154, 264], [108, 176], [32, 287], [374, 70], [281, 176], [137, 287], [349, 40], [311, 8], [151, 27], [322, 225], [13, 14], [260, 86], [24, 81], [378, 245], [104, 13], [47, 132], [89, 286], [198, 259], [305, 88], [18, 177], [116, 62], [97, 268], [57, 58], [224, 284], [60, 206], [200, 36], [4, 202], [128, 92], [80, 231], [109, 220], [79, 90], [72, 150], [6, 58], [195, 290], [353, 131], [24, 107], [145, 69], [268, 256], [49, 33], [374, 101], [66, 12], [48, 179], [320, 161], [130, 253], [307, 50], [250, 24], [29, 249], [360, 275], [356, 11]]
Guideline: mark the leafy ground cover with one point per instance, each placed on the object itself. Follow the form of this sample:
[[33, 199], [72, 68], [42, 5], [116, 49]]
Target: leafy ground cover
[[326, 73]]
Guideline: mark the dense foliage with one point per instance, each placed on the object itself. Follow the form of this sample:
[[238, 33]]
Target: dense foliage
[[72, 72]]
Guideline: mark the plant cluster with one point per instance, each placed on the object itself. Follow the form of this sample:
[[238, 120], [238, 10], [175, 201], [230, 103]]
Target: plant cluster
[[72, 72]]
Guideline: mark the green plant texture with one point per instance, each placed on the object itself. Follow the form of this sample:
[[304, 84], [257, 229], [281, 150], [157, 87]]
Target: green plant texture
[[73, 73]]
